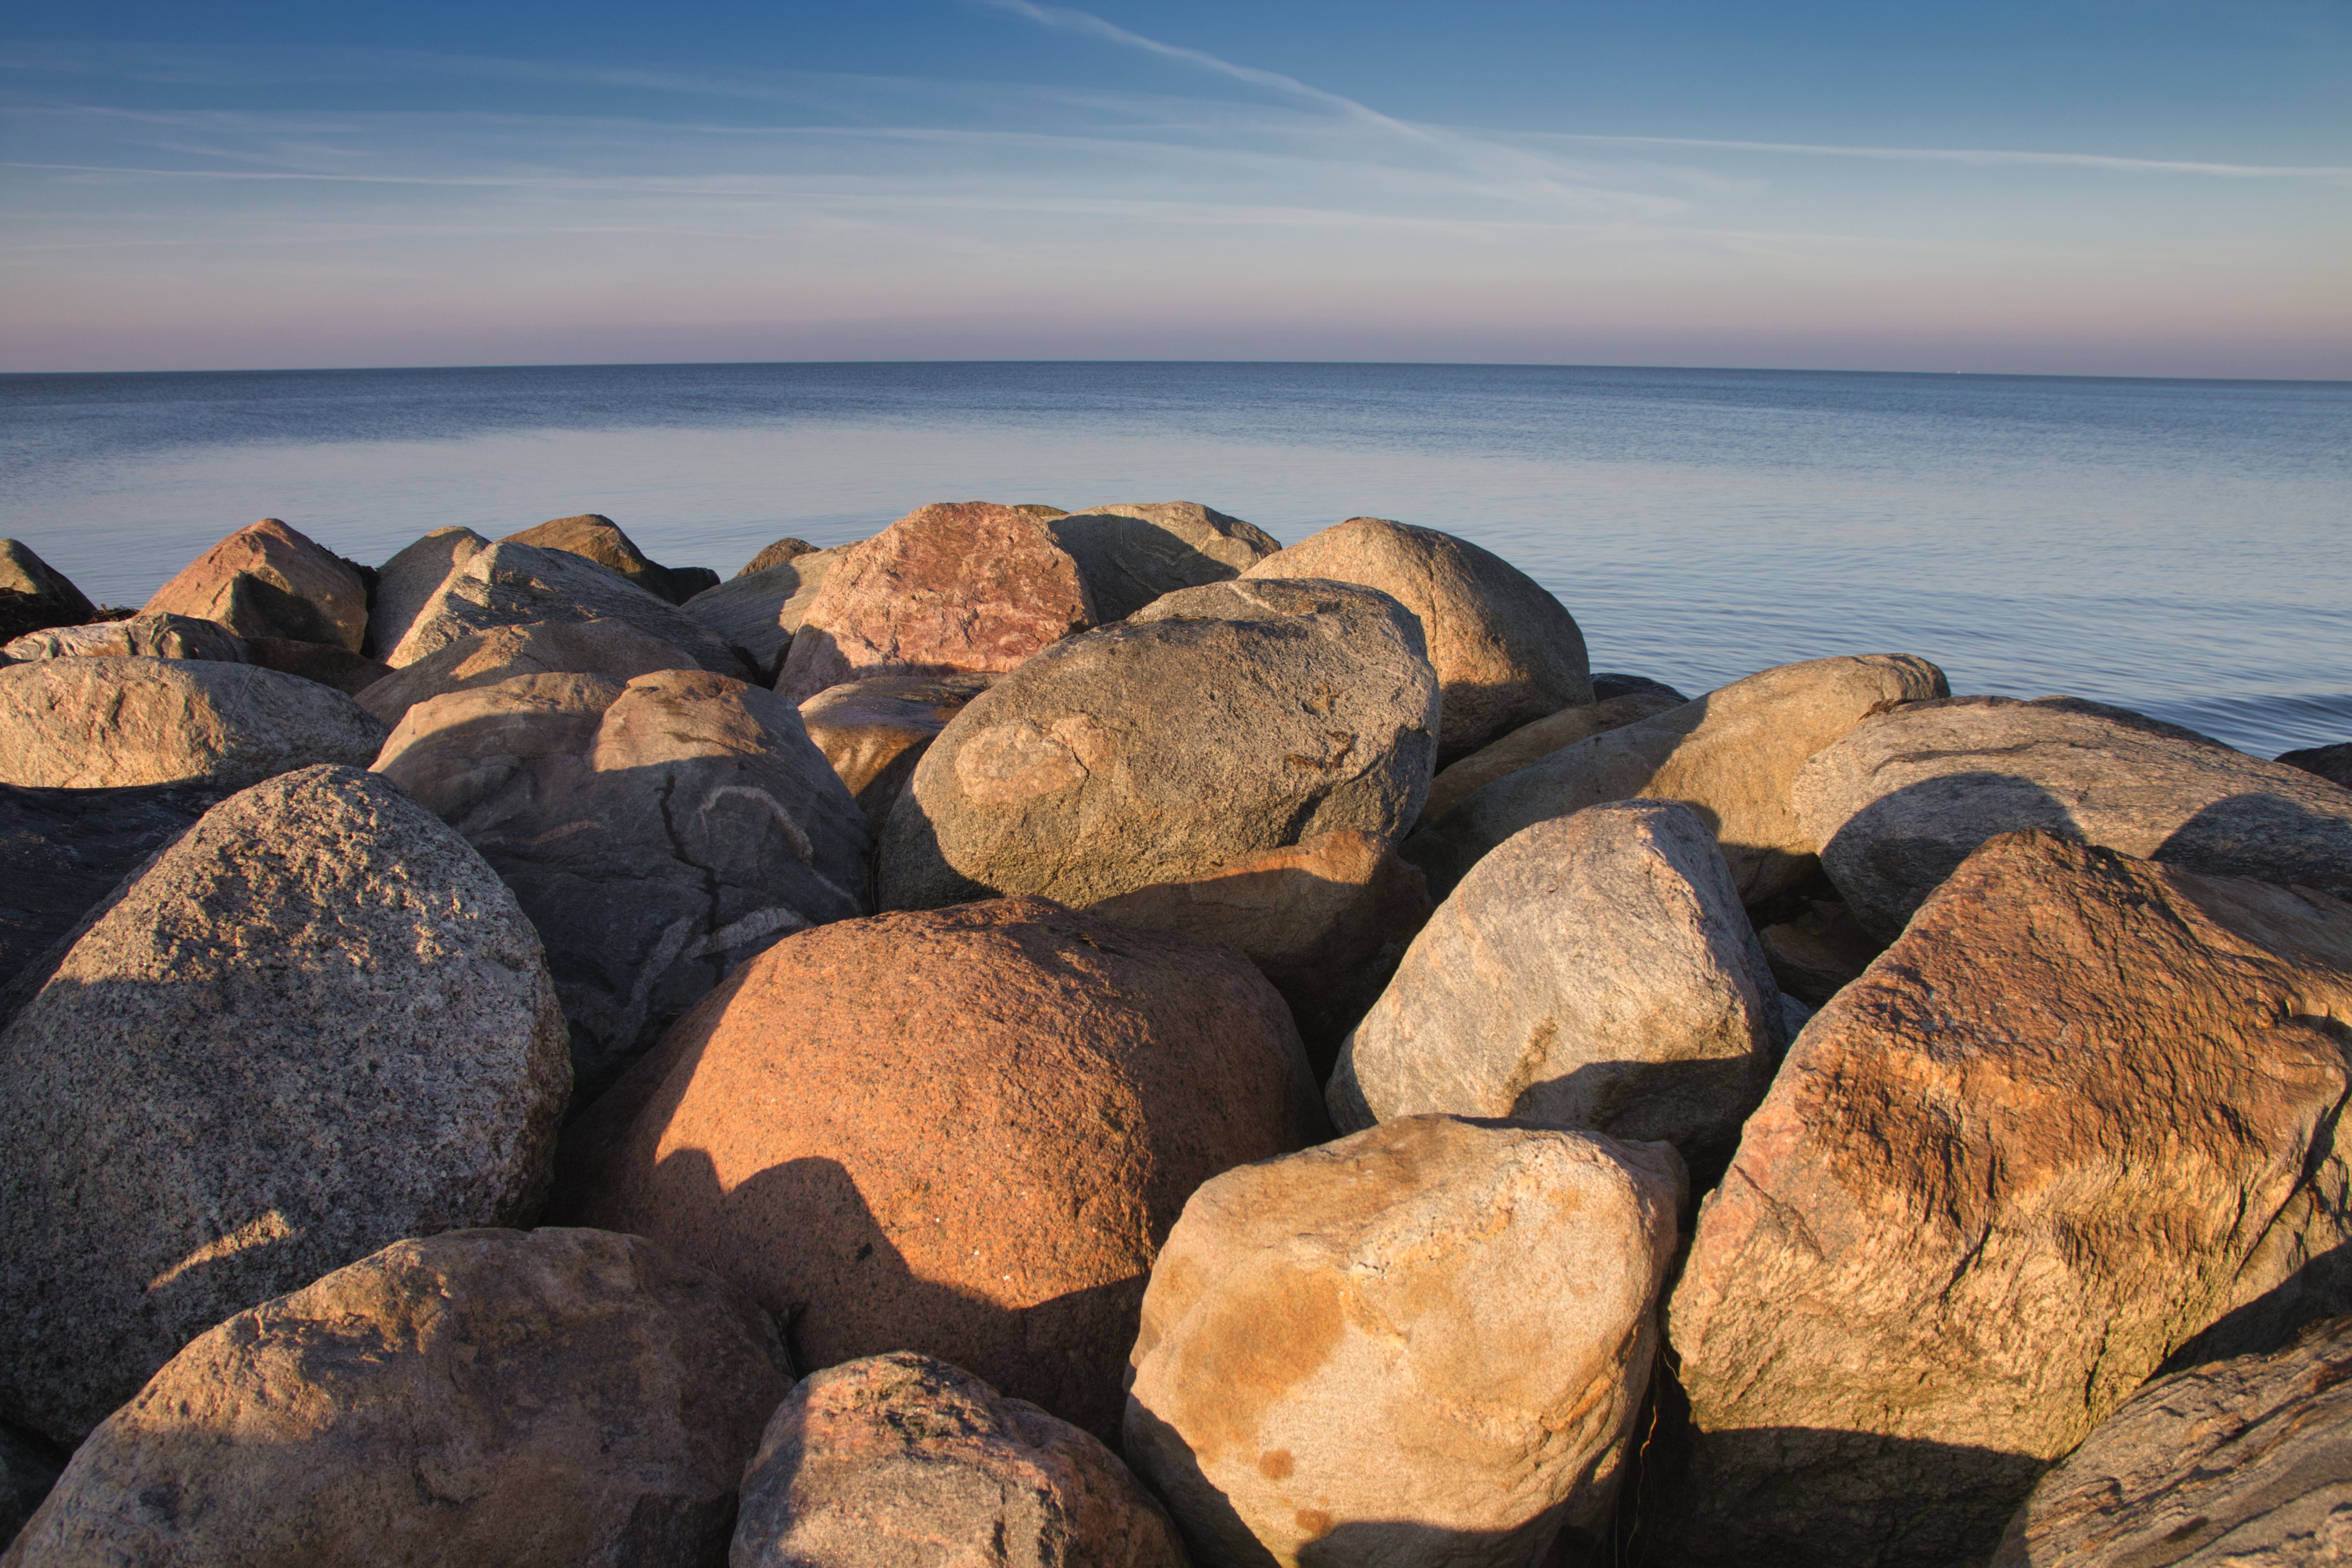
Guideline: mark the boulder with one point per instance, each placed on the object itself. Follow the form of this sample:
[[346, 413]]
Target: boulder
[[1422, 1344], [407, 583], [36, 595], [964, 586], [2085, 1106], [1608, 685], [962, 1132], [597, 538], [1216, 723], [1039, 508], [267, 580], [658, 832], [2333, 764], [28, 1469], [340, 667], [599, 646], [1730, 755], [1326, 920], [141, 637], [1595, 971], [94, 723], [509, 584], [757, 613], [1507, 651], [483, 1396], [1531, 744], [1905, 797], [1130, 553], [777, 555], [2247, 1462], [901, 1458], [875, 731], [314, 1024], [1820, 949]]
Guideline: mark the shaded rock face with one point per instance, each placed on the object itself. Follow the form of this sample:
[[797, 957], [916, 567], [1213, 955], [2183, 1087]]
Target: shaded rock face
[[1422, 1344], [964, 1132], [875, 731], [963, 586], [407, 583], [2248, 1462], [2333, 764], [1131, 553], [36, 595], [777, 555], [657, 833], [269, 580], [2085, 1106], [509, 585], [315, 1025], [338, 667], [615, 649], [1530, 743], [1818, 951], [99, 723], [28, 1471], [757, 612], [1908, 794], [1608, 685], [141, 637], [597, 538], [1731, 757], [901, 1458], [1595, 971], [482, 1396], [1507, 652], [1217, 723]]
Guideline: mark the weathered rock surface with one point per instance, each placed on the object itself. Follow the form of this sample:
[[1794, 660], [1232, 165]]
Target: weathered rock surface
[[756, 613], [615, 649], [901, 1458], [269, 580], [1327, 920], [963, 586], [1131, 553], [963, 1131], [1530, 743], [1907, 796], [875, 731], [141, 637], [509, 584], [483, 1396], [1818, 951], [315, 1025], [95, 723], [776, 554], [1507, 651], [2084, 1108], [595, 537], [658, 832], [407, 583], [1216, 723], [1731, 755], [1595, 971], [1424, 1344], [36, 595], [2333, 764], [340, 667]]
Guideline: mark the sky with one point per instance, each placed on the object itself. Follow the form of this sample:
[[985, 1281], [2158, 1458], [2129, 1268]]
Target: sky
[[2135, 187]]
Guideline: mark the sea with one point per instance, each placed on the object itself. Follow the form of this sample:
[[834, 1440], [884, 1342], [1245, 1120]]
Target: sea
[[2182, 547]]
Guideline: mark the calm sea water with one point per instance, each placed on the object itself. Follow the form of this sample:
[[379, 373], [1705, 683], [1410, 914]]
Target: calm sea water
[[2182, 547]]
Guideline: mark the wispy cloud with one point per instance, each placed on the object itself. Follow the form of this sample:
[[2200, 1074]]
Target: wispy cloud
[[1986, 156]]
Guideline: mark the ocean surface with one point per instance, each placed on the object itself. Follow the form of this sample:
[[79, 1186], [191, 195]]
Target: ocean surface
[[2182, 547]]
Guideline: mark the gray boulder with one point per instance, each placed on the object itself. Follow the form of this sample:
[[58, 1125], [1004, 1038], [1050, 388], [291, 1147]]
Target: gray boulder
[[34, 596], [595, 537], [756, 613], [315, 1024], [160, 635], [1531, 744], [511, 584], [2333, 764], [407, 583], [599, 646], [1130, 553]]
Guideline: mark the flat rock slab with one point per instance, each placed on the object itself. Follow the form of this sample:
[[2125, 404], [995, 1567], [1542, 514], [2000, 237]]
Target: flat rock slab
[[757, 612], [511, 584], [407, 583], [1531, 744], [599, 646], [269, 580], [875, 731], [1130, 553], [158, 636], [36, 595]]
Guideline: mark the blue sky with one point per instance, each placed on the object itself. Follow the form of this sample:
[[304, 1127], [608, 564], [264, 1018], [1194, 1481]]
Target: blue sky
[[2067, 186]]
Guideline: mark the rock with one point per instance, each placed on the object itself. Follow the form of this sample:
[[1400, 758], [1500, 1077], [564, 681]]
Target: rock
[[407, 583], [36, 595], [1217, 723], [1507, 651], [658, 832], [2333, 764], [1907, 795], [509, 584], [598, 646], [346, 671], [875, 731], [314, 1024], [2084, 1108], [1595, 971], [269, 580], [758, 613], [901, 1458], [1039, 508], [1131, 553], [1819, 952], [1424, 1344], [1327, 920], [685, 581], [2248, 1462], [965, 586], [597, 538], [1530, 743], [1608, 685], [140, 637], [962, 1132], [777, 555], [94, 723], [484, 1396], [1730, 755], [27, 1470]]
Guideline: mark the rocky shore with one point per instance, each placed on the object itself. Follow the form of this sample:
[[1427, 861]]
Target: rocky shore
[[1098, 1041]]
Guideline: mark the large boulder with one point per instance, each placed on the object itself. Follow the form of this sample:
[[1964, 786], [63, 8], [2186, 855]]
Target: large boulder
[[1507, 651], [962, 1132], [962, 586], [141, 637], [901, 1458], [1424, 1344], [658, 832], [315, 1025], [600, 646], [483, 1396], [597, 538], [407, 583], [328, 665], [269, 580], [1531, 744], [1216, 723], [36, 595], [97, 724], [1905, 797], [875, 731], [509, 585], [1731, 755], [1130, 553], [2333, 764], [2084, 1109], [757, 613]]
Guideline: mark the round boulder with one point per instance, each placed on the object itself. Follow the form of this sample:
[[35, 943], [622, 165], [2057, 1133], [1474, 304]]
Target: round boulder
[[35, 594], [1130, 553]]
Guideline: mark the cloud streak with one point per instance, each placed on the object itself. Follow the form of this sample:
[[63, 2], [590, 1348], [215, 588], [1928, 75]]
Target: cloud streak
[[1986, 156]]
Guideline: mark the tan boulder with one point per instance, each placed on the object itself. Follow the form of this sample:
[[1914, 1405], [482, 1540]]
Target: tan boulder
[[407, 583], [2085, 1106], [141, 637], [874, 732], [269, 580], [1422, 1344], [757, 612], [593, 537], [1131, 553], [598, 646], [509, 585], [1531, 744], [36, 595], [777, 555]]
